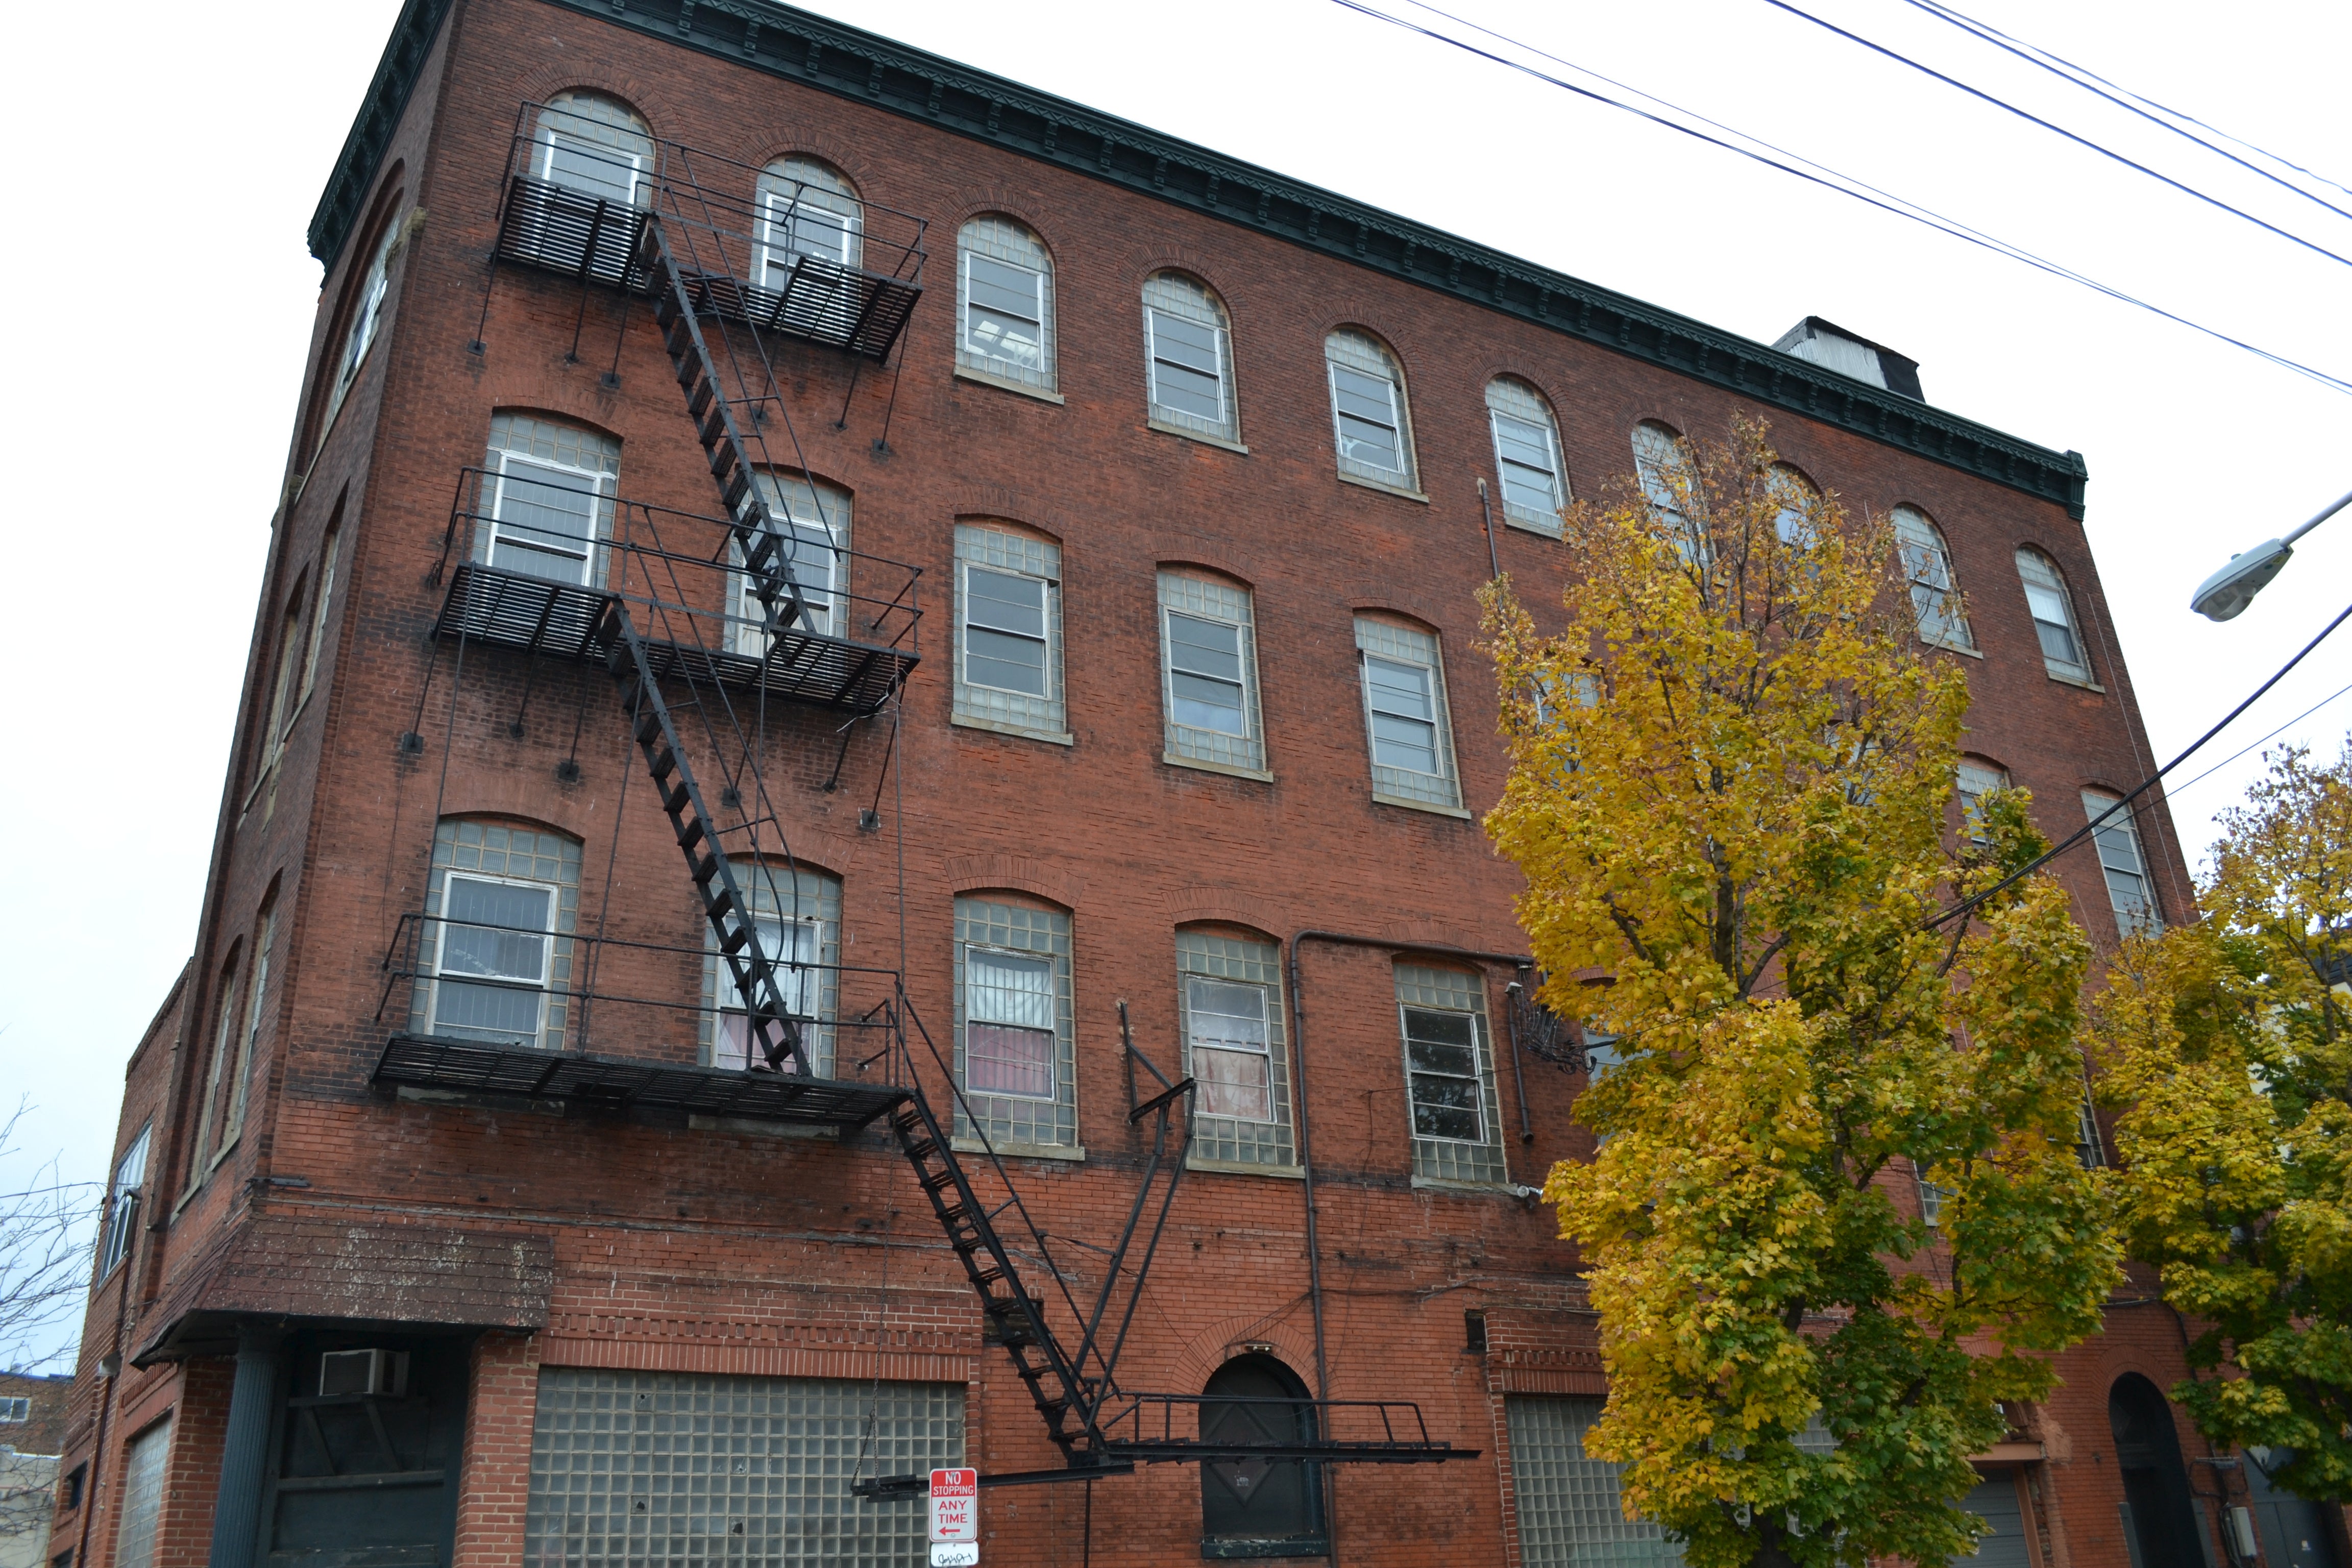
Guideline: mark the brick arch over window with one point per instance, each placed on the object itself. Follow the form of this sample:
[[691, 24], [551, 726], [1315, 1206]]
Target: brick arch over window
[[1013, 873], [1003, 504], [647, 100], [1223, 906]]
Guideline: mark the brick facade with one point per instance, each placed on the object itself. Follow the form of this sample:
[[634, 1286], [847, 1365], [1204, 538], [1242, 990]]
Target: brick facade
[[548, 1236]]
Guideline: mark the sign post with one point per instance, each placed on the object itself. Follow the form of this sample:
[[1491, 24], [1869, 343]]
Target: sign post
[[955, 1518]]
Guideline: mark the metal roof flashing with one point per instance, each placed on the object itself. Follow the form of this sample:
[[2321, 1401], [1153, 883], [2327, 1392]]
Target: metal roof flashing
[[851, 63]]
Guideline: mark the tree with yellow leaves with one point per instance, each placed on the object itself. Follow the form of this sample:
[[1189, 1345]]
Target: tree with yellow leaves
[[1731, 777], [2228, 1044]]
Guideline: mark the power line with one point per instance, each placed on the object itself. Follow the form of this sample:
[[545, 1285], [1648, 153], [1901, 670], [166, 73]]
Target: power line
[[2054, 129], [2088, 74], [2274, 735], [2131, 102], [1828, 178]]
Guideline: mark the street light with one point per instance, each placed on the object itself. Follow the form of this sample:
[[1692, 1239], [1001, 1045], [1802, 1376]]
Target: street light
[[2233, 587]]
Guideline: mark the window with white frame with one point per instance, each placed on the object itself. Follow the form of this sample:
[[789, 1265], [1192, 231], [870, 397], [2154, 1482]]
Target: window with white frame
[[1016, 1047], [216, 1067], [1449, 1068], [144, 1465], [595, 145], [796, 916], [1978, 779], [1527, 463], [1189, 356], [1570, 1508], [367, 315], [2088, 1149], [320, 597], [2053, 616], [806, 208], [548, 497], [1209, 672], [1229, 995], [810, 521], [1795, 497], [1008, 590], [496, 951], [16, 1410], [1369, 422], [241, 1073], [2126, 868], [1661, 465], [1005, 303], [1931, 1197], [122, 1204], [1404, 715], [1927, 564]]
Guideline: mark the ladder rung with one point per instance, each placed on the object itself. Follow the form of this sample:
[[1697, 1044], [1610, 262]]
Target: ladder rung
[[714, 424], [663, 762], [706, 867], [698, 397], [677, 800]]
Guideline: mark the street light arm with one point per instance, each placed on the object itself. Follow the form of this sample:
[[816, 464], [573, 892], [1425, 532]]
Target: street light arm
[[2339, 505]]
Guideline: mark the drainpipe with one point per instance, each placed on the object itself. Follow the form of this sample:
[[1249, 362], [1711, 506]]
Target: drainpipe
[[1306, 1135]]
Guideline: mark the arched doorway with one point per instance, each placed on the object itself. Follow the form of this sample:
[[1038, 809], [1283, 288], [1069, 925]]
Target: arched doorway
[[1256, 1507], [2156, 1483]]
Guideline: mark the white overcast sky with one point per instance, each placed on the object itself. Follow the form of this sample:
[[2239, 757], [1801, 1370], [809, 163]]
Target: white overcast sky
[[164, 299]]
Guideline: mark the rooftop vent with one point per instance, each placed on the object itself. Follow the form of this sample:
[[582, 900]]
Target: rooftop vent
[[1834, 348]]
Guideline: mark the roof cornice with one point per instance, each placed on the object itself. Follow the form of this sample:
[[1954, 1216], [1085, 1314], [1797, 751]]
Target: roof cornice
[[860, 66]]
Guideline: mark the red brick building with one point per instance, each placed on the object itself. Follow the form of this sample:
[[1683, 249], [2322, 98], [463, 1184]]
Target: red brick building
[[1027, 562]]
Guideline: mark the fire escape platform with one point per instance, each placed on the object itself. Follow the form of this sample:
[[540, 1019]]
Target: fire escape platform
[[422, 1061], [567, 621]]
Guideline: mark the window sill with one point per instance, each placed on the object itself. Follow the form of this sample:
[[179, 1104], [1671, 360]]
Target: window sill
[[1540, 530], [1407, 491], [1466, 1189], [1202, 437], [1228, 769], [1006, 383], [1935, 646], [1063, 738], [1071, 1152], [1430, 806], [1247, 1168], [2083, 681]]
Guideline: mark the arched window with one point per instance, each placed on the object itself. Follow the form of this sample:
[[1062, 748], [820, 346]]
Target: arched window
[[1005, 303], [1527, 454], [1449, 1067], [1276, 1507], [2053, 616], [494, 956], [1661, 465], [2129, 890], [1015, 1048], [1229, 995], [1189, 356], [1208, 638], [595, 145], [1979, 777], [1369, 418], [796, 911], [811, 520], [810, 209], [1796, 497], [547, 497], [1927, 564], [2156, 1483], [367, 316]]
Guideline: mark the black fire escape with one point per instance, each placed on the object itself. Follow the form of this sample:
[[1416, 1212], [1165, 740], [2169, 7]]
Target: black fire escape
[[701, 621]]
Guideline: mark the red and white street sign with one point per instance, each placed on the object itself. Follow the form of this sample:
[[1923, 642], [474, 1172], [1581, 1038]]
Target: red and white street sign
[[955, 1505]]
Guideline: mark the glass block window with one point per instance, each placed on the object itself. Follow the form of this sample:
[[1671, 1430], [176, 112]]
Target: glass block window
[[495, 954], [805, 208], [1369, 419], [810, 519], [1015, 1046], [1572, 1513], [2129, 886], [1229, 998], [1527, 454], [1208, 641], [547, 497], [639, 1470], [797, 912], [144, 1468], [1978, 779], [1404, 715], [595, 145], [1449, 1068], [1009, 631], [1927, 563], [1189, 356], [2053, 616], [1005, 303], [1661, 465]]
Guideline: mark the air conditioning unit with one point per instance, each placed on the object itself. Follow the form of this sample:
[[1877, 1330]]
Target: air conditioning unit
[[342, 1374]]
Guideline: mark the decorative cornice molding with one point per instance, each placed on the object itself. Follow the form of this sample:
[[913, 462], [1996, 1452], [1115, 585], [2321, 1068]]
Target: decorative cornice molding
[[862, 66]]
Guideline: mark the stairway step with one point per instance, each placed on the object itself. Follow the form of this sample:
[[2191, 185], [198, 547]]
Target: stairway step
[[706, 867], [698, 396]]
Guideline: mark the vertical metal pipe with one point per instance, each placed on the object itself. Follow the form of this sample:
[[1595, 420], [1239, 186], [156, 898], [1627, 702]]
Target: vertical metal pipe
[[237, 1506], [1314, 1243], [1494, 561], [1511, 994]]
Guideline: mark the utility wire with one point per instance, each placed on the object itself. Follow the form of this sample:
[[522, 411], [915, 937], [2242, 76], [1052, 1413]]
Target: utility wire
[[2130, 103], [1827, 178], [2178, 789], [2090, 75], [2054, 129]]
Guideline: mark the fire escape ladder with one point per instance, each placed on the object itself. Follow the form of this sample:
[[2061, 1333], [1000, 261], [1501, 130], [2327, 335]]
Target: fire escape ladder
[[1014, 1316], [681, 305], [772, 1028]]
